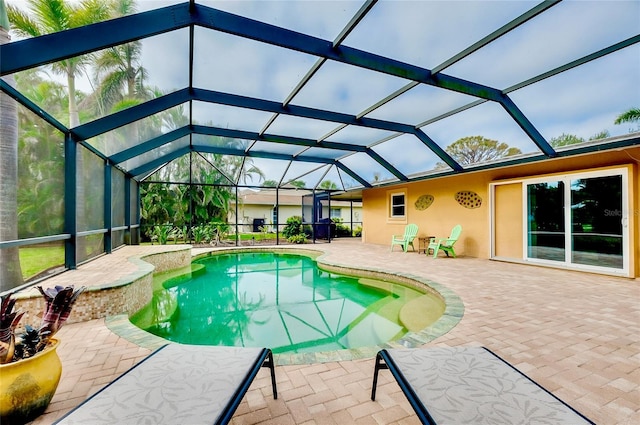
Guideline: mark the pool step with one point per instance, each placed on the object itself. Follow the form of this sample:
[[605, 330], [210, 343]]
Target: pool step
[[421, 312]]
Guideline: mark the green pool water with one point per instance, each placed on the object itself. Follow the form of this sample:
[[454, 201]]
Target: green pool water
[[284, 302]]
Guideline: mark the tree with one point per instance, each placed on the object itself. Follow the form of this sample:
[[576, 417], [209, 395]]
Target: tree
[[295, 183], [565, 140], [205, 199], [632, 115], [157, 203], [327, 184], [475, 149], [241, 167], [601, 135], [45, 92], [299, 184], [10, 271], [51, 16], [571, 139], [41, 158], [120, 75], [118, 70]]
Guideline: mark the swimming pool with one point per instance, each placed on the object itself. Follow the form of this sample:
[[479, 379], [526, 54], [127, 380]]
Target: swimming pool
[[285, 302]]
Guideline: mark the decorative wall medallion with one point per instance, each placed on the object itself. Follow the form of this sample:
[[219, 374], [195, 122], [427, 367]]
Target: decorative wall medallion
[[424, 202], [468, 199]]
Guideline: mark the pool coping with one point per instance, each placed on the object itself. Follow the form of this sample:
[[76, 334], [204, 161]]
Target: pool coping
[[454, 310]]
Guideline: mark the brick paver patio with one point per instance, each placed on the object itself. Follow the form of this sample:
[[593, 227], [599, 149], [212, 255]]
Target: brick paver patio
[[576, 334]]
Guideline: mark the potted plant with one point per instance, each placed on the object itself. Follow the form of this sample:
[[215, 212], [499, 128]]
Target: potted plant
[[29, 365]]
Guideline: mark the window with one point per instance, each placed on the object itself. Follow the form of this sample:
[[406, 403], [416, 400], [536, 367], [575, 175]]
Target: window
[[397, 205], [336, 213]]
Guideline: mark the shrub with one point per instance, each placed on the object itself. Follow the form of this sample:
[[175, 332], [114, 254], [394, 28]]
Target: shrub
[[300, 238], [293, 227], [162, 233], [200, 234], [217, 231], [342, 230]]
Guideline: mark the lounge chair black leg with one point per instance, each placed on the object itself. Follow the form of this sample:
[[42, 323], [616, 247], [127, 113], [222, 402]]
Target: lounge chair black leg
[[271, 365], [379, 365]]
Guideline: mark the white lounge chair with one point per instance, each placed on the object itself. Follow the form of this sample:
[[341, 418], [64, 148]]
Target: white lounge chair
[[471, 385], [177, 384]]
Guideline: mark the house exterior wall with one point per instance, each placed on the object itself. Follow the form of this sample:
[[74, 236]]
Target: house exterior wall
[[475, 241], [247, 212], [438, 219], [345, 212]]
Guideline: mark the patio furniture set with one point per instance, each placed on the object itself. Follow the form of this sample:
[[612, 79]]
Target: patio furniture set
[[427, 244]]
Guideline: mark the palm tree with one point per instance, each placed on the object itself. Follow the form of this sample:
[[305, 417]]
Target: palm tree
[[632, 115], [51, 16], [10, 272], [118, 70], [241, 168], [120, 75]]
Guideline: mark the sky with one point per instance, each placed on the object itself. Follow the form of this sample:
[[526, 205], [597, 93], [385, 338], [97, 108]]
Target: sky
[[583, 101]]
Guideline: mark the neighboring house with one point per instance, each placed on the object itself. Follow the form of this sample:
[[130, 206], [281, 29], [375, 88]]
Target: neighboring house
[[258, 207], [579, 213]]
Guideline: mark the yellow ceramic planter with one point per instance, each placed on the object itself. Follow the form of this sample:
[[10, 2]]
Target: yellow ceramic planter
[[27, 386]]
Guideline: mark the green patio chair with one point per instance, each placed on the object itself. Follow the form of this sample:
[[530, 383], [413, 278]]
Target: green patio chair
[[445, 244], [410, 232]]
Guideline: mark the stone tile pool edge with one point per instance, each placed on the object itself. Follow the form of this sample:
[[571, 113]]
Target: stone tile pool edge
[[454, 310]]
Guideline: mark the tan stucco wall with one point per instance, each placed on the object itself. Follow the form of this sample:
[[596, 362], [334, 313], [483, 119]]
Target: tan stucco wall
[[445, 212], [438, 219]]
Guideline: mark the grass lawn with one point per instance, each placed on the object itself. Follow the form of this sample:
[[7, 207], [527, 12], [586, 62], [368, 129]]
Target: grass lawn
[[257, 236], [36, 259]]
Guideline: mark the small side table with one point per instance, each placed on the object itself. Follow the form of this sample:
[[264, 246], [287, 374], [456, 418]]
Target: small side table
[[423, 243]]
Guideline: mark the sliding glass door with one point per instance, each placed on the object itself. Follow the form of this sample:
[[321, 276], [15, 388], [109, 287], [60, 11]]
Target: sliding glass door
[[579, 220], [546, 229], [597, 222]]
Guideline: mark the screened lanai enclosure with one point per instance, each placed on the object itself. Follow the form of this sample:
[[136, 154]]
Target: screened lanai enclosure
[[129, 121]]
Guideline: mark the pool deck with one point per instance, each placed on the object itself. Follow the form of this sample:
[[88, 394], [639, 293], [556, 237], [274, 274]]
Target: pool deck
[[576, 334]]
